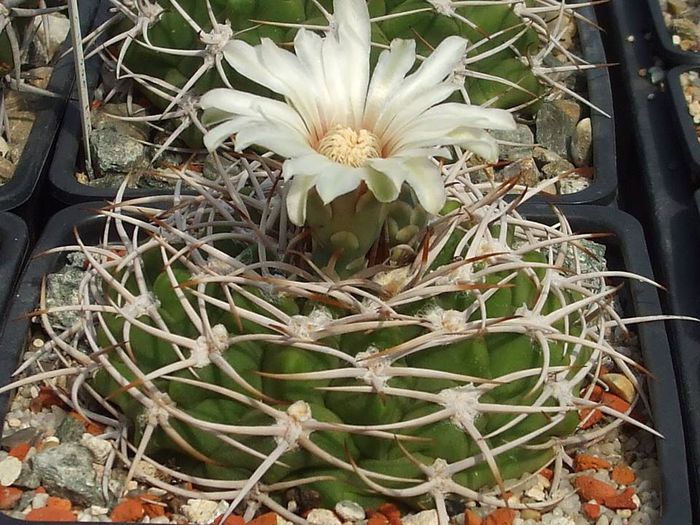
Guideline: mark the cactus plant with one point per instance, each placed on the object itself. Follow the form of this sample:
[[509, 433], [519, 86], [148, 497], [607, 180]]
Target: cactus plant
[[212, 341], [175, 49]]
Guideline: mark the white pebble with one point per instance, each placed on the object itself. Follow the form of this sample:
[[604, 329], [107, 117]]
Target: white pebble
[[14, 422], [100, 448], [427, 517], [624, 513], [349, 510], [617, 520], [536, 493], [322, 517], [39, 501], [98, 510], [562, 520], [10, 469], [201, 511], [603, 520]]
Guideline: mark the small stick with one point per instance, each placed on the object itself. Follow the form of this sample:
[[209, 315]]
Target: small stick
[[81, 82]]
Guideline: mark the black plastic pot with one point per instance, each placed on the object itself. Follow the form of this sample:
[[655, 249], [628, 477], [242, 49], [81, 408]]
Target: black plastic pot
[[14, 242], [684, 121], [670, 52], [66, 188], [655, 184], [625, 250], [22, 193]]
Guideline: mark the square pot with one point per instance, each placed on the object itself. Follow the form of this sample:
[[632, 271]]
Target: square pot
[[65, 187], [626, 250], [21, 194]]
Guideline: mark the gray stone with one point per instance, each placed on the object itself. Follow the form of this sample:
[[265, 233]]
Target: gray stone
[[70, 430], [543, 156], [107, 117], [57, 27], [26, 499], [525, 169], [573, 185], [115, 152], [28, 478], [25, 435], [67, 470], [582, 143], [62, 290], [519, 143], [557, 168], [555, 124]]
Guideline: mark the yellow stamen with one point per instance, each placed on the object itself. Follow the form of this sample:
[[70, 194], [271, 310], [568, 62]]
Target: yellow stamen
[[349, 147]]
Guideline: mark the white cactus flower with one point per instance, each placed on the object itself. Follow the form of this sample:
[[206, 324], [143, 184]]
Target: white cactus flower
[[339, 127]]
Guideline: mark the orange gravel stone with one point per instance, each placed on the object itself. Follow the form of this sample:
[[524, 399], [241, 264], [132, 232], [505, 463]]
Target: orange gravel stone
[[500, 517], [614, 402], [269, 518], [46, 398], [20, 451], [623, 475], [377, 518], [621, 501], [127, 510], [392, 513], [59, 503], [591, 510], [590, 488], [587, 461], [50, 514], [547, 473], [233, 519], [471, 518], [9, 496], [589, 417]]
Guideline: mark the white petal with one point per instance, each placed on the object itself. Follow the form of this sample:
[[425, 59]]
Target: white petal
[[394, 120], [278, 70], [431, 73], [353, 32], [482, 143], [216, 136], [393, 65], [427, 183], [464, 115], [277, 138], [421, 174], [305, 165], [384, 178], [242, 103], [247, 60], [297, 197], [337, 180], [309, 48]]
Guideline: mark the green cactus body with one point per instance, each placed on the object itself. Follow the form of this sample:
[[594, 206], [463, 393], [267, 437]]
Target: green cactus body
[[261, 366]]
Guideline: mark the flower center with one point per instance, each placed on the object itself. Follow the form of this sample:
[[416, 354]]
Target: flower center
[[349, 147]]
